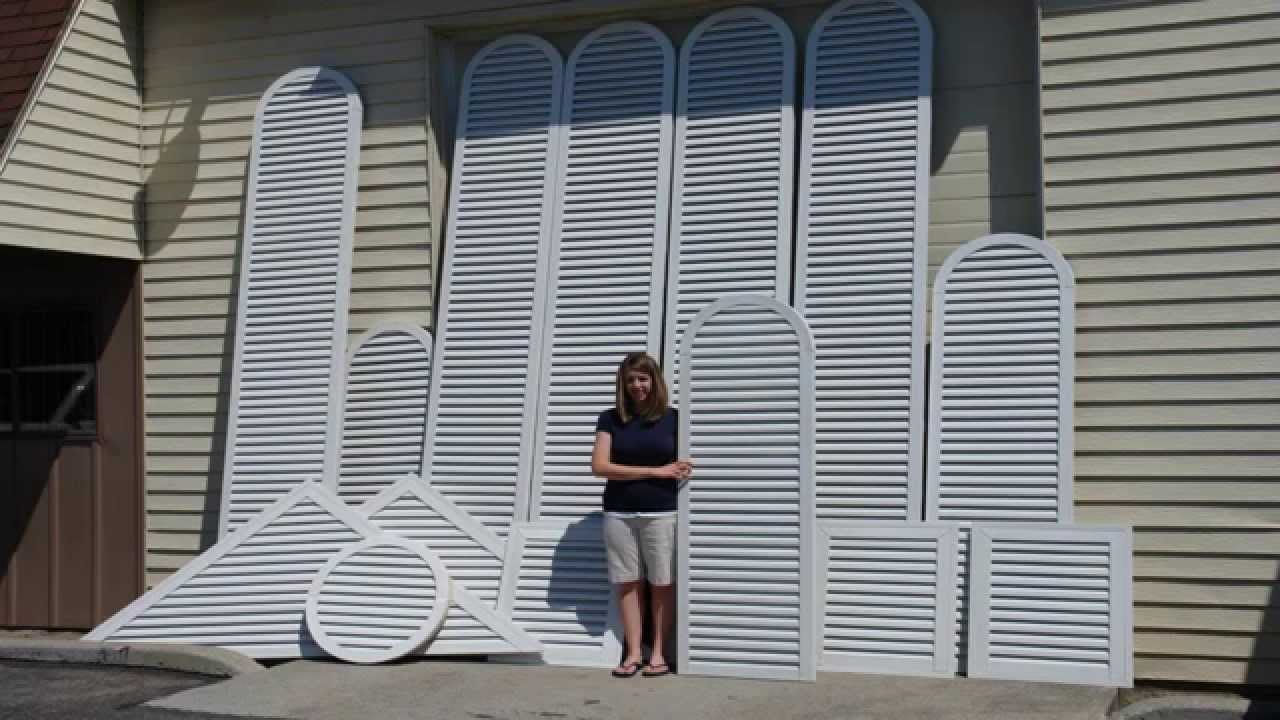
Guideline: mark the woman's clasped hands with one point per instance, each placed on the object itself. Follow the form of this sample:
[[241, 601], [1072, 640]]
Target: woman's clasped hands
[[678, 470]]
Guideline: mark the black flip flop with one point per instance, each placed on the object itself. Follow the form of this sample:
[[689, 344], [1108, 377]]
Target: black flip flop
[[654, 671], [626, 671]]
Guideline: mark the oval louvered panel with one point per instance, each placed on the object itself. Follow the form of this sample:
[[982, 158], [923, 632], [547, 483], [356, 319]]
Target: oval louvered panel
[[480, 418], [890, 599], [377, 601], [731, 214], [385, 415], [862, 252], [295, 278], [1000, 396], [1053, 604], [747, 552], [611, 242]]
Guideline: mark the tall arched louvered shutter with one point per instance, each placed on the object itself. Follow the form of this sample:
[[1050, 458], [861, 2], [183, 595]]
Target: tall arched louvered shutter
[[385, 417], [732, 192], [481, 415], [608, 250], [862, 252], [748, 560], [295, 283]]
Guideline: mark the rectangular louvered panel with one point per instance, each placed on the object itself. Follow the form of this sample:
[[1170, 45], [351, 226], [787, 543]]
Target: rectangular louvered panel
[[1000, 447], [385, 415], [746, 546], [890, 598], [862, 252], [481, 415], [291, 321], [555, 587], [610, 237], [731, 213], [1053, 604]]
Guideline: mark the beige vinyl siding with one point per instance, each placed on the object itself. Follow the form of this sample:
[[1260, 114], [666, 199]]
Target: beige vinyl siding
[[1161, 136], [73, 182]]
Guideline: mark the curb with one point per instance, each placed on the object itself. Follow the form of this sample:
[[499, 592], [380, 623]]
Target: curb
[[213, 661]]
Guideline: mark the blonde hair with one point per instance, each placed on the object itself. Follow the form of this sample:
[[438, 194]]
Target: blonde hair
[[654, 406]]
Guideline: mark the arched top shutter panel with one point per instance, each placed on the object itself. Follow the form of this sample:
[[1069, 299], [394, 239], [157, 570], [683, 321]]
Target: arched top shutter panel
[[608, 251], [862, 252], [385, 415], [735, 124], [1001, 389], [481, 415], [295, 281]]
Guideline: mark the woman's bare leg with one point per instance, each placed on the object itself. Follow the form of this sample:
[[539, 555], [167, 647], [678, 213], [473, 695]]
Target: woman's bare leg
[[631, 607], [664, 618]]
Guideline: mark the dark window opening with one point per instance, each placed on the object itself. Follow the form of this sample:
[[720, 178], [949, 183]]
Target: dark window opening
[[48, 363]]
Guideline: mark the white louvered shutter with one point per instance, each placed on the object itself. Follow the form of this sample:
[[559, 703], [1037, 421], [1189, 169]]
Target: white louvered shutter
[[385, 415], [295, 282], [248, 592], [609, 249], [890, 598], [483, 405], [377, 601], [732, 187], [862, 252], [556, 587], [747, 535], [1053, 604]]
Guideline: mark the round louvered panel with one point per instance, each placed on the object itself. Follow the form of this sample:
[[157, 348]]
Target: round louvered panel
[[377, 601]]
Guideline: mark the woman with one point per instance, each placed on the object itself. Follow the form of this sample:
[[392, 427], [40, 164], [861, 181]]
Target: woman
[[635, 451]]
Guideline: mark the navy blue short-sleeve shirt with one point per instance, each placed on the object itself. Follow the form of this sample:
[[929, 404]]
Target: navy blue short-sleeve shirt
[[642, 443]]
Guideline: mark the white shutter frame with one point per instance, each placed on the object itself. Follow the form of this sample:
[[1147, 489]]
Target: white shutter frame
[[808, 606], [328, 456], [1119, 635], [602, 388], [909, 481], [676, 309], [389, 469], [441, 358], [1066, 369], [886, 658]]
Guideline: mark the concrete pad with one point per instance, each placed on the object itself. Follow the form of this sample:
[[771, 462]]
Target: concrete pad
[[320, 690], [159, 656]]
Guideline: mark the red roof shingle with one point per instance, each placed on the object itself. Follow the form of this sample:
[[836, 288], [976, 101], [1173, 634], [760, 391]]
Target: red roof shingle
[[28, 29]]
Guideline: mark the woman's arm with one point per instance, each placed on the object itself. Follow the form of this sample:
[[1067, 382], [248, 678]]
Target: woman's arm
[[602, 467]]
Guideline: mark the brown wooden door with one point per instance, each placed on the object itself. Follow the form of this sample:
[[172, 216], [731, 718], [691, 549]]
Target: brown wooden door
[[71, 540]]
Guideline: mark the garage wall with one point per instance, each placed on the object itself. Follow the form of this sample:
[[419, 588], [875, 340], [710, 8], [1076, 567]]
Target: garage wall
[[1161, 144]]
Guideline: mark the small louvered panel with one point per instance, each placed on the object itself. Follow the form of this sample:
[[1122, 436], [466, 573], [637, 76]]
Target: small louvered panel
[[1000, 396], [1053, 604], [890, 598], [962, 601], [556, 588], [295, 278], [731, 212], [861, 253], [747, 534], [610, 237], [385, 416], [248, 593], [481, 414], [377, 601]]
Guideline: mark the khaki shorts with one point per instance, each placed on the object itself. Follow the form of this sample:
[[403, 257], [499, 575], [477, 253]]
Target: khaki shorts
[[631, 540]]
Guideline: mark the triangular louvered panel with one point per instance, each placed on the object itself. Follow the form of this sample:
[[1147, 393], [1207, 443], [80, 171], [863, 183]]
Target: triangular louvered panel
[[611, 238], [1000, 395], [555, 587], [1052, 604], [385, 416], [861, 252], [747, 553], [732, 192], [890, 598], [482, 412], [295, 281], [248, 592]]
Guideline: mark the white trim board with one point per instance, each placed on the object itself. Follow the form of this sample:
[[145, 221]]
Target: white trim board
[[862, 252], [889, 598], [288, 371], [1052, 604], [747, 534]]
